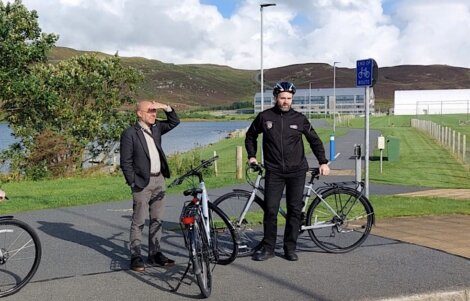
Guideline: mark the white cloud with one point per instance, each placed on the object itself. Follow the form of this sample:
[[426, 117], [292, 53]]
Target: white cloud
[[185, 31]]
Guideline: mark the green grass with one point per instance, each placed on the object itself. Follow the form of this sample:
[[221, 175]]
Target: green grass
[[423, 162], [35, 195], [397, 206]]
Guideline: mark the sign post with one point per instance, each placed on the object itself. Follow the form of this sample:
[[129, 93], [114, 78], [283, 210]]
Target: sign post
[[366, 76]]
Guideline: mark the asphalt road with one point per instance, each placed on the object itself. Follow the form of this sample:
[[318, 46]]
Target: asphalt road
[[85, 257]]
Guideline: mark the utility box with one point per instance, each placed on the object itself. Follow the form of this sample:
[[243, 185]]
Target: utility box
[[393, 148], [381, 142]]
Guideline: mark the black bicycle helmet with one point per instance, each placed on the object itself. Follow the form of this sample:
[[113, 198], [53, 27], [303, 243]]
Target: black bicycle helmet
[[283, 87]]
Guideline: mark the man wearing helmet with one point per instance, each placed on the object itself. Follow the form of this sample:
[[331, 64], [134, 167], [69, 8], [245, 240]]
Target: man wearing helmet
[[286, 166]]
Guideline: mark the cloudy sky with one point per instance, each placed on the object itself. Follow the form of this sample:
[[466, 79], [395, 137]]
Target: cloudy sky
[[227, 32]]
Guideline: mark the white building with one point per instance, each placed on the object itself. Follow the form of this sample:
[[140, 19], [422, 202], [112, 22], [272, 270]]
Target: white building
[[419, 102], [321, 101]]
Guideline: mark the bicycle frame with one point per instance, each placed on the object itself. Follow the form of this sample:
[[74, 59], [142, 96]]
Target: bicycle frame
[[204, 199], [308, 194]]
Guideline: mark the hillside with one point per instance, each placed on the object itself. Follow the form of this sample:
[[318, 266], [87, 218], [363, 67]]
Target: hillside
[[184, 85], [208, 85], [404, 77]]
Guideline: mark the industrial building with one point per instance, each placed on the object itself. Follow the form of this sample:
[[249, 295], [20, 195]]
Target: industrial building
[[321, 101], [422, 102]]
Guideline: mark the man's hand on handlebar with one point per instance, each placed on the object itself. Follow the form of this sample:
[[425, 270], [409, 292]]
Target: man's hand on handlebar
[[324, 169]]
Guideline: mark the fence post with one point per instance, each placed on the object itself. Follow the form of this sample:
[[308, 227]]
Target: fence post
[[458, 144], [239, 168], [464, 148], [216, 170], [453, 141]]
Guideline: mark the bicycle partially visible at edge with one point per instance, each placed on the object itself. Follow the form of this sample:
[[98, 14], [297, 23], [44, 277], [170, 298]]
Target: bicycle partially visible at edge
[[208, 234], [338, 219], [20, 254]]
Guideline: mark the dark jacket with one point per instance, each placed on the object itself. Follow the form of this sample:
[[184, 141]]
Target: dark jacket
[[283, 147], [135, 158]]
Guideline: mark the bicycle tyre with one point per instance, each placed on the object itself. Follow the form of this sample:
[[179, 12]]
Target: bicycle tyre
[[20, 255], [346, 232], [250, 230], [199, 253], [224, 238]]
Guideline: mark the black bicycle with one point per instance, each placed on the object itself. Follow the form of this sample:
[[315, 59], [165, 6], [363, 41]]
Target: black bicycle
[[20, 254], [208, 234]]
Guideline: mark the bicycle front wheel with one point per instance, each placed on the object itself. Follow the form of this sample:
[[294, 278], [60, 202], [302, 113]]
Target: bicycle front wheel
[[250, 228], [199, 253], [341, 220], [224, 238], [20, 254]]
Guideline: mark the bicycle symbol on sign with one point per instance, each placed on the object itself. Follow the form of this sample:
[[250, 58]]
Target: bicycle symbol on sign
[[363, 73]]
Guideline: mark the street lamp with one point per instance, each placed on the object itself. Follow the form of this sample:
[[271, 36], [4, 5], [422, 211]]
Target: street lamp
[[334, 96], [262, 76], [309, 100]]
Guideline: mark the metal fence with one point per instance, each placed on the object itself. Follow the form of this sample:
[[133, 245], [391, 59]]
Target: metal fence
[[452, 140]]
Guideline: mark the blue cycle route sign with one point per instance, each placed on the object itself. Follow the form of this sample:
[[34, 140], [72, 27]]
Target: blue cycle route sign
[[366, 72]]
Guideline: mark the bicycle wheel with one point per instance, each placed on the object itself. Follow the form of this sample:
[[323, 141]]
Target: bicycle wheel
[[199, 253], [224, 238], [20, 254], [250, 229], [345, 230]]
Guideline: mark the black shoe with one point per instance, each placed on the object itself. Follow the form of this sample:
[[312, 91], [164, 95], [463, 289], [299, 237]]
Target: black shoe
[[160, 260], [137, 264], [263, 254], [291, 256]]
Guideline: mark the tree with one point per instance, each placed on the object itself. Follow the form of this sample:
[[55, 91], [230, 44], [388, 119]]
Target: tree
[[57, 111], [21, 45]]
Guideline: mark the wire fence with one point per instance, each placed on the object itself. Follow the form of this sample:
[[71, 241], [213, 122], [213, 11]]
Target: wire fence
[[454, 141]]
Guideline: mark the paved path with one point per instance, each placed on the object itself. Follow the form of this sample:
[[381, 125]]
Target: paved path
[[446, 233], [85, 257]]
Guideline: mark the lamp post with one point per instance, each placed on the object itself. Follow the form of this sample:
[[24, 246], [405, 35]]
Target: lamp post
[[334, 96], [262, 75], [309, 100]]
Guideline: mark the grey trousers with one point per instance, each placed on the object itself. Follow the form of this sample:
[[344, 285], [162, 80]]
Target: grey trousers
[[151, 199]]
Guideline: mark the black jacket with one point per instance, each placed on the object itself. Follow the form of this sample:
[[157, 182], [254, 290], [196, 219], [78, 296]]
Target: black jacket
[[135, 158], [283, 147]]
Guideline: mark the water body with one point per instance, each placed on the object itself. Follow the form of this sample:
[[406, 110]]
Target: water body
[[186, 136]]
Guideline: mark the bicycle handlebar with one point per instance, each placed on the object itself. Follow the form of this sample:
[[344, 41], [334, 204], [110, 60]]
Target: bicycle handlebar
[[194, 171]]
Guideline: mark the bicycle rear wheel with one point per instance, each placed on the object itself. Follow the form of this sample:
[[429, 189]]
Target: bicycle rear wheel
[[348, 228], [199, 253], [250, 229], [20, 254], [224, 238]]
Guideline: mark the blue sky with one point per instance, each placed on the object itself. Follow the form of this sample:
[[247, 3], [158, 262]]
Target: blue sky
[[227, 32], [225, 7]]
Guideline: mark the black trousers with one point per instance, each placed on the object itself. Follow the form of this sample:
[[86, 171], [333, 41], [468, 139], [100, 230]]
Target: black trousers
[[275, 183]]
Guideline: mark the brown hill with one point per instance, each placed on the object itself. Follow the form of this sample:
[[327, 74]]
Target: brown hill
[[209, 85], [404, 77]]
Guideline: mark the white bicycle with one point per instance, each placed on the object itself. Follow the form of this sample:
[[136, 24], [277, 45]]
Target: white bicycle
[[208, 234], [338, 219]]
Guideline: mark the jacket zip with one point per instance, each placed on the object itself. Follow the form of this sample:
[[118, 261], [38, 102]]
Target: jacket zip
[[282, 145]]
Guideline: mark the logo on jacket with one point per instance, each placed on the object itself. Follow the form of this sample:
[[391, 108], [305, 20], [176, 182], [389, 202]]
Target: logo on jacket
[[269, 124], [293, 126]]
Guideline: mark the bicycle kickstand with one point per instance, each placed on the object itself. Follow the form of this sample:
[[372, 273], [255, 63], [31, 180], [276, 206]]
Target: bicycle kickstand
[[182, 277]]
